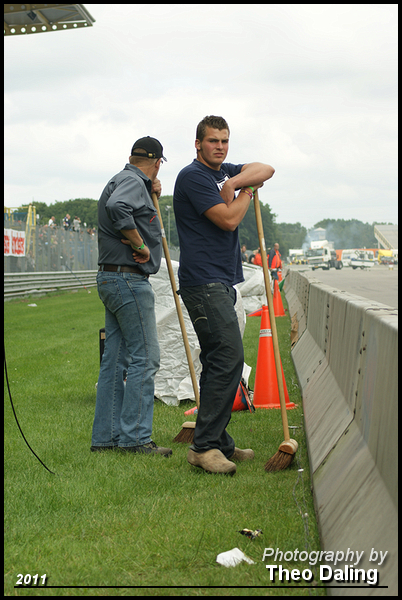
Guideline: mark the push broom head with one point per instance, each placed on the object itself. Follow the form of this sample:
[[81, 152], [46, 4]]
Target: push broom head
[[186, 435], [283, 458]]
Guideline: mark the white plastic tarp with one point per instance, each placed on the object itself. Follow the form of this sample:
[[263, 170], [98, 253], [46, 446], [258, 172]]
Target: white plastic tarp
[[253, 288], [173, 381]]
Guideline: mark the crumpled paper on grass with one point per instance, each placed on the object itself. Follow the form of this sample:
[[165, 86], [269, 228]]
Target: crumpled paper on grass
[[232, 558]]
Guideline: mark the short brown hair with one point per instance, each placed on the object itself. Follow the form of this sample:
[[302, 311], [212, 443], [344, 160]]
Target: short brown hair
[[211, 121]]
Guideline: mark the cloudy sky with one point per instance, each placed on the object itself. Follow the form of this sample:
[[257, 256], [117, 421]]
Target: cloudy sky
[[309, 88]]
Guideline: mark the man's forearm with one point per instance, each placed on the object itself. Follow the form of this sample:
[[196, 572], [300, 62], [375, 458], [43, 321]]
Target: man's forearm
[[133, 237], [136, 241], [252, 173]]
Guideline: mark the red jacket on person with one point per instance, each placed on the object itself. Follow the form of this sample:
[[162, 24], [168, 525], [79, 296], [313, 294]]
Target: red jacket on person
[[257, 259], [274, 260]]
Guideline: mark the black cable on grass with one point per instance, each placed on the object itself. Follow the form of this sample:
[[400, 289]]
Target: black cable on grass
[[19, 426]]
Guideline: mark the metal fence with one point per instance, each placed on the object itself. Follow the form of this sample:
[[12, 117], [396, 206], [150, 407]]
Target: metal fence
[[20, 285], [56, 249]]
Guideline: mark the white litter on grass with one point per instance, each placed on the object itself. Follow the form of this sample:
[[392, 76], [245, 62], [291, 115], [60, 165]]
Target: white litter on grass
[[32, 305], [232, 558]]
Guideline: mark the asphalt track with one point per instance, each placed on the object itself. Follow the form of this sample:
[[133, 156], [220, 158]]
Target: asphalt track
[[377, 283]]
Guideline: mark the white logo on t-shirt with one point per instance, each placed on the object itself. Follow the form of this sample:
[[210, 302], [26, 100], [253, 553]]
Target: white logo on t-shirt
[[222, 182]]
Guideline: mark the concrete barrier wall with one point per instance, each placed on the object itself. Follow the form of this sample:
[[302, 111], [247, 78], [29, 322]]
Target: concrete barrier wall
[[346, 359], [297, 298]]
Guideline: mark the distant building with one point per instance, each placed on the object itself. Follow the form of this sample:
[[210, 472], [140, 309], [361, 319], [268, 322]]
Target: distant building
[[317, 234]]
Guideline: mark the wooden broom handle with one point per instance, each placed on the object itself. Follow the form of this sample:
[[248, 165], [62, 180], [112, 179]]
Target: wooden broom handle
[[271, 316], [178, 305]]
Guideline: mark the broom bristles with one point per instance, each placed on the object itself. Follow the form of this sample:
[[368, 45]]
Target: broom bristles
[[279, 462], [186, 435]]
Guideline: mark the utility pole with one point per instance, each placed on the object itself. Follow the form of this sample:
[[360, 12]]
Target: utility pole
[[168, 212]]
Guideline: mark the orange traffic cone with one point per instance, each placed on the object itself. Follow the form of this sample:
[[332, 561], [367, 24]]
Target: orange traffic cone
[[256, 313], [266, 393], [277, 300], [242, 400]]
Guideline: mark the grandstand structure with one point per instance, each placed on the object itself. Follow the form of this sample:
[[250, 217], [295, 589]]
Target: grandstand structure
[[387, 236]]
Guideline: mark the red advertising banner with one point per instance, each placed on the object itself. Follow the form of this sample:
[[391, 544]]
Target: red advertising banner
[[14, 243]]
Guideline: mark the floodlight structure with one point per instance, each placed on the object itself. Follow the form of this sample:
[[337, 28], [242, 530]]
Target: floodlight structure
[[23, 19]]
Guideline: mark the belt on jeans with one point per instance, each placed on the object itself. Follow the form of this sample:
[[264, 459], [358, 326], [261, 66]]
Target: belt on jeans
[[122, 269]]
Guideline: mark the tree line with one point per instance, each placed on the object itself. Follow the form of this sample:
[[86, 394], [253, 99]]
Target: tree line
[[344, 233], [84, 208]]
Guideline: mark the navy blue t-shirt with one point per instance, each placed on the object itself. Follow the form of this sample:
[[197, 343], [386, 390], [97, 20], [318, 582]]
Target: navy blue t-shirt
[[208, 254]]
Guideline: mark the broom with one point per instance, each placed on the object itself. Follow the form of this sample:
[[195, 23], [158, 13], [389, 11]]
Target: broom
[[186, 434], [286, 452]]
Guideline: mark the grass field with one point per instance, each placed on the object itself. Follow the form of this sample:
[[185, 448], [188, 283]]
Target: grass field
[[127, 525]]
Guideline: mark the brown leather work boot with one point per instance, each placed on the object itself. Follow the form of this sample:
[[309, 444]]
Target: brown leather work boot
[[212, 461], [242, 455]]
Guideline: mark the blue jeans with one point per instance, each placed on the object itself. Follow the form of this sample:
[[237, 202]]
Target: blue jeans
[[124, 412], [212, 312]]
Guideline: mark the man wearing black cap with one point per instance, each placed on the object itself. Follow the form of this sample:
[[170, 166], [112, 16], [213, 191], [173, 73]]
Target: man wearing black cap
[[130, 249]]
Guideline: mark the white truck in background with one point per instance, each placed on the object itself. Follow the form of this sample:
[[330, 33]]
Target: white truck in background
[[356, 258], [296, 256], [321, 255], [363, 259], [345, 256]]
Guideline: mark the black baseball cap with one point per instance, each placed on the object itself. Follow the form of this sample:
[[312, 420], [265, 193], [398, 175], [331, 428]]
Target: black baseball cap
[[152, 147]]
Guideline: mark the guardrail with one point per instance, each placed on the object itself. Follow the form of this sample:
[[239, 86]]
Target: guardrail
[[346, 359], [18, 285]]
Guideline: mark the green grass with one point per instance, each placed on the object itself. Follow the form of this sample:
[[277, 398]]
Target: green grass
[[125, 520]]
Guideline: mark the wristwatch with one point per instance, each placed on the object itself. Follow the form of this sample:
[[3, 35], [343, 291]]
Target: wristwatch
[[139, 247]]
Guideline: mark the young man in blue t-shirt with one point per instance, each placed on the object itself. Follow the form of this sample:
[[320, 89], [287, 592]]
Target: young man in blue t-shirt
[[210, 200]]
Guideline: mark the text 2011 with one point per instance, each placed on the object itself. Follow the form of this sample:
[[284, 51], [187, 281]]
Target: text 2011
[[31, 579]]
